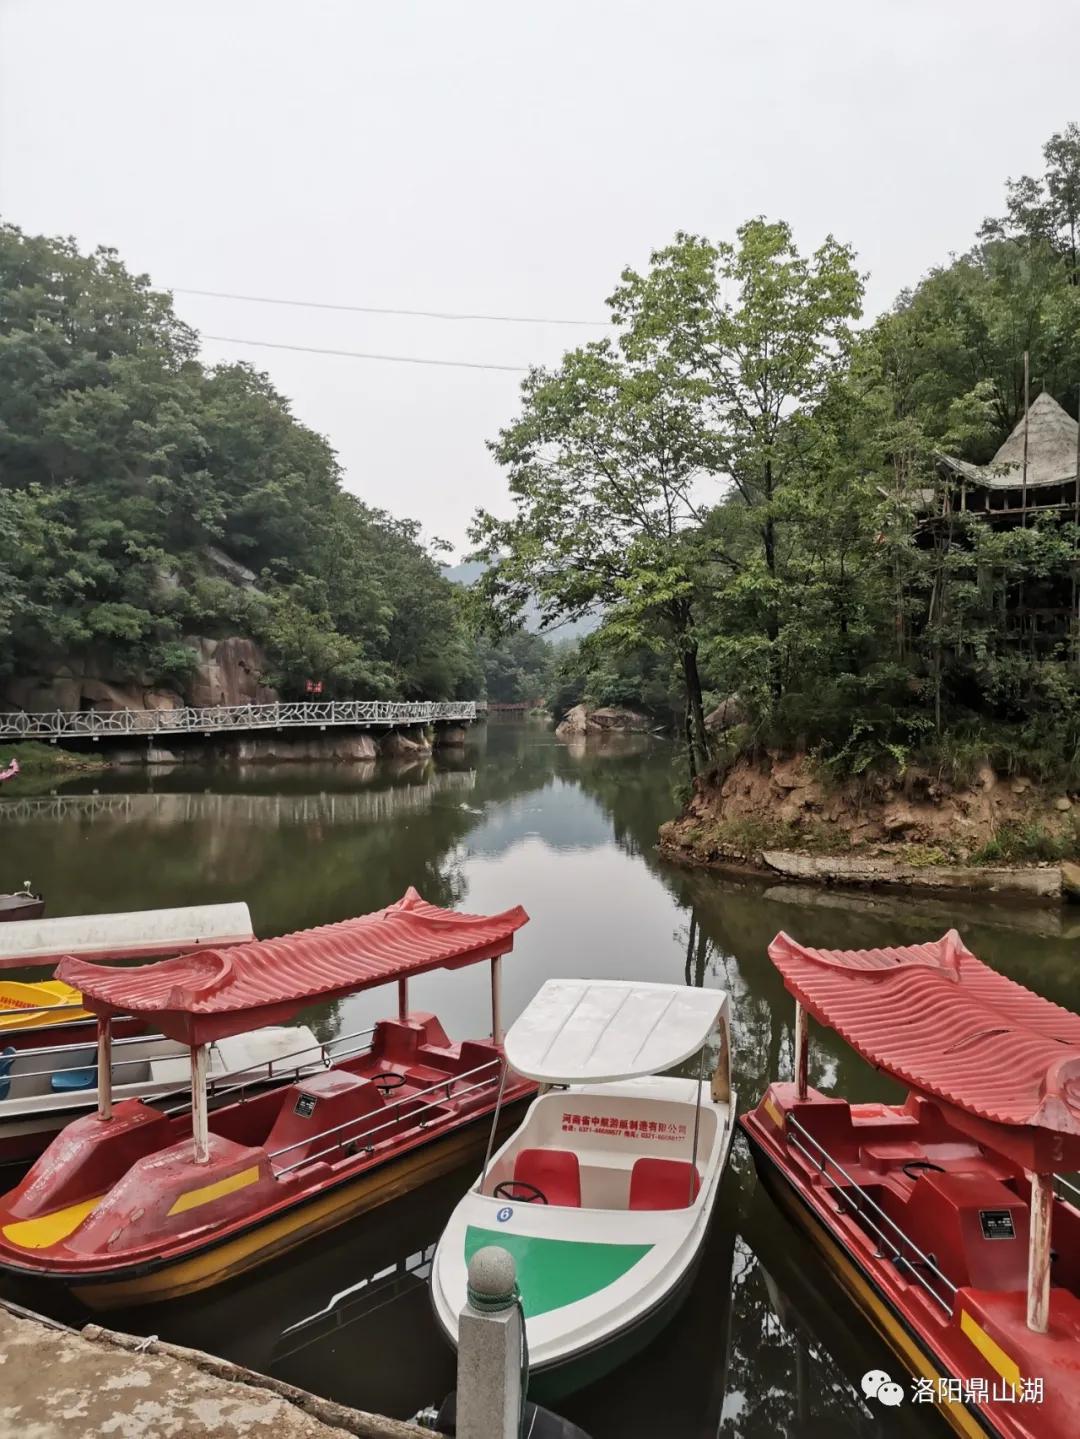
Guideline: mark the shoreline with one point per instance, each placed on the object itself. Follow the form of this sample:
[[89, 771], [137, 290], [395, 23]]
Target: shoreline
[[1038, 883], [66, 1382]]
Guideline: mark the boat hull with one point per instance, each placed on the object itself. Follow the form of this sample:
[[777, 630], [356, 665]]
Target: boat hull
[[904, 1343], [14, 907], [963, 1339], [555, 1381], [599, 1277], [169, 1279]]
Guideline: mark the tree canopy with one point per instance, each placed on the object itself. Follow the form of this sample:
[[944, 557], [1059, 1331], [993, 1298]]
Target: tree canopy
[[745, 481], [146, 498]]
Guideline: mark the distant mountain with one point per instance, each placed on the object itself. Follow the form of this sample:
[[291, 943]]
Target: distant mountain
[[471, 570]]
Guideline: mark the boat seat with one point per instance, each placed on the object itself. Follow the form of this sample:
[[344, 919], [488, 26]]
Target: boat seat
[[7, 1059], [555, 1172], [70, 1080], [663, 1184]]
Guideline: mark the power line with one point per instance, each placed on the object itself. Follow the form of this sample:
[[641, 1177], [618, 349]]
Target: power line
[[387, 310], [368, 355]]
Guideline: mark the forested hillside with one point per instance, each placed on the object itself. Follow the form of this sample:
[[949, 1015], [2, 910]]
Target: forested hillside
[[146, 499], [746, 479]]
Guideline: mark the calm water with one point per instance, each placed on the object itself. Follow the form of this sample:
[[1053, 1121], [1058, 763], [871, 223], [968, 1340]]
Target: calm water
[[765, 1345]]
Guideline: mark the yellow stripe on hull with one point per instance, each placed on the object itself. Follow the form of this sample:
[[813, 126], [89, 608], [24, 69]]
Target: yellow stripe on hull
[[278, 1236], [896, 1335]]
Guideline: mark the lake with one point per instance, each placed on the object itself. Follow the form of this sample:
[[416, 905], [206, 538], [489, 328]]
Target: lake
[[766, 1344]]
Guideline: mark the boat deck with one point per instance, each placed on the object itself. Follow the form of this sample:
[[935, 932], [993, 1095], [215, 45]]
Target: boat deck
[[939, 1226], [109, 1199]]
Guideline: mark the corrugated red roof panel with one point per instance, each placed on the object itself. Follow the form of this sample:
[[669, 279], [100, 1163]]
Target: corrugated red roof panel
[[213, 993], [945, 1023]]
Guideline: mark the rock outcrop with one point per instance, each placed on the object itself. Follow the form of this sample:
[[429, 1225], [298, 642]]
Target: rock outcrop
[[780, 812], [450, 736], [84, 685], [582, 721], [402, 744], [227, 671], [727, 714]]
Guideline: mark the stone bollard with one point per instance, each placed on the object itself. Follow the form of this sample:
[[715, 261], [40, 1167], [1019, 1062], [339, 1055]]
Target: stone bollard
[[489, 1394]]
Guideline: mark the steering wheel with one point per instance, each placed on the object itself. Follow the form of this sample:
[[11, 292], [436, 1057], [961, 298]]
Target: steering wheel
[[922, 1164], [386, 1082], [531, 1194]]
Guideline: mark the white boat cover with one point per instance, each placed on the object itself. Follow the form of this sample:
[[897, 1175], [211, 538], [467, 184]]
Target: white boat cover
[[595, 1031], [131, 934]]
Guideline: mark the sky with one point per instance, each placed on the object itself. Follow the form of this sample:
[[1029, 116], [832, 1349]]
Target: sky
[[497, 158]]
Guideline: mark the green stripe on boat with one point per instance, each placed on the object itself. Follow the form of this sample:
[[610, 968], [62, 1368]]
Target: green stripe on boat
[[552, 1273]]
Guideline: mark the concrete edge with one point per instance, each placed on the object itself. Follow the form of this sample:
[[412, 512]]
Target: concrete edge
[[339, 1417]]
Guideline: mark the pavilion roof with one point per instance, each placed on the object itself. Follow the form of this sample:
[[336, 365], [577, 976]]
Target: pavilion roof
[[1051, 452], [217, 992]]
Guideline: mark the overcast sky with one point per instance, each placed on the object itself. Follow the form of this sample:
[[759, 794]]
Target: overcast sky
[[497, 157]]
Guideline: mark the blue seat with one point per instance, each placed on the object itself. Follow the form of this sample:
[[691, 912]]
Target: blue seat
[[69, 1080], [7, 1059]]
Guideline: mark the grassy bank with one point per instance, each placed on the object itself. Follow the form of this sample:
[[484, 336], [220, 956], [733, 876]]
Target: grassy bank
[[38, 761]]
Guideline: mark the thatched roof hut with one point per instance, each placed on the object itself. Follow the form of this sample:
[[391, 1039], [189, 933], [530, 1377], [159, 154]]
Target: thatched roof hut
[[1052, 453]]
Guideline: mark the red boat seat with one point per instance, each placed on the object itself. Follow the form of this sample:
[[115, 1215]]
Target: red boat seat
[[663, 1184], [555, 1172]]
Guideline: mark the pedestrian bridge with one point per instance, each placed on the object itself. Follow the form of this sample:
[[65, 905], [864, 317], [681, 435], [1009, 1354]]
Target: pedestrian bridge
[[54, 725]]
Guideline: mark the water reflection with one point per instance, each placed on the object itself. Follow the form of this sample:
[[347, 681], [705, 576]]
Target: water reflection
[[764, 1345]]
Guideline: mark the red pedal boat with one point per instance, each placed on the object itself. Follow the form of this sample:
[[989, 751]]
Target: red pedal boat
[[940, 1215], [140, 1202]]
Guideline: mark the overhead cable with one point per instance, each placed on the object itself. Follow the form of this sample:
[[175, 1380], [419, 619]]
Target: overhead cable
[[388, 310], [369, 355]]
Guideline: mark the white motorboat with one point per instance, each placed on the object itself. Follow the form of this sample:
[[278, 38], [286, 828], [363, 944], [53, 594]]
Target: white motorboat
[[604, 1194], [42, 1089]]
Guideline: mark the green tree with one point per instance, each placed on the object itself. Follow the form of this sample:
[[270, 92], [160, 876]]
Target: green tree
[[757, 335], [601, 464], [146, 500]]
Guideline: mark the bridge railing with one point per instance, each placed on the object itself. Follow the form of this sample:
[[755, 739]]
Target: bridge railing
[[81, 724]]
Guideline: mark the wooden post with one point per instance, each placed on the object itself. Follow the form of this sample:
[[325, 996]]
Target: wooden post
[[104, 1068], [200, 1122], [1076, 523], [1038, 1289], [1027, 396], [403, 999], [801, 1041], [496, 1001]]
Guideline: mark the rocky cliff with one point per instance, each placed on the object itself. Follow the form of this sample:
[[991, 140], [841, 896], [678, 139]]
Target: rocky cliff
[[775, 802], [227, 671], [582, 721]]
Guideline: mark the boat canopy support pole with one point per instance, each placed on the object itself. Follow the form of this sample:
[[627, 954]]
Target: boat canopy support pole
[[1038, 1290], [802, 1037], [494, 1126], [104, 1068], [200, 1121], [496, 1000], [697, 1123], [403, 1000], [721, 1077]]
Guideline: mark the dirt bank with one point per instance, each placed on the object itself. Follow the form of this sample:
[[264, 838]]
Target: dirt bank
[[58, 1384], [782, 814]]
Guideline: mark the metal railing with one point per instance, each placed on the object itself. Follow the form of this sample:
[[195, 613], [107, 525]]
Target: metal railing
[[1072, 1192], [858, 1198], [87, 1047], [212, 719], [333, 807], [252, 1074], [447, 1083]]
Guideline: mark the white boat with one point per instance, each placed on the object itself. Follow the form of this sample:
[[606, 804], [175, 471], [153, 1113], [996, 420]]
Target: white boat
[[41, 1090], [604, 1194], [129, 934]]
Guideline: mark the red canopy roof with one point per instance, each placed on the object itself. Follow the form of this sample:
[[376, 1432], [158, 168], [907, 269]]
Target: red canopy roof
[[213, 993], [945, 1023]]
